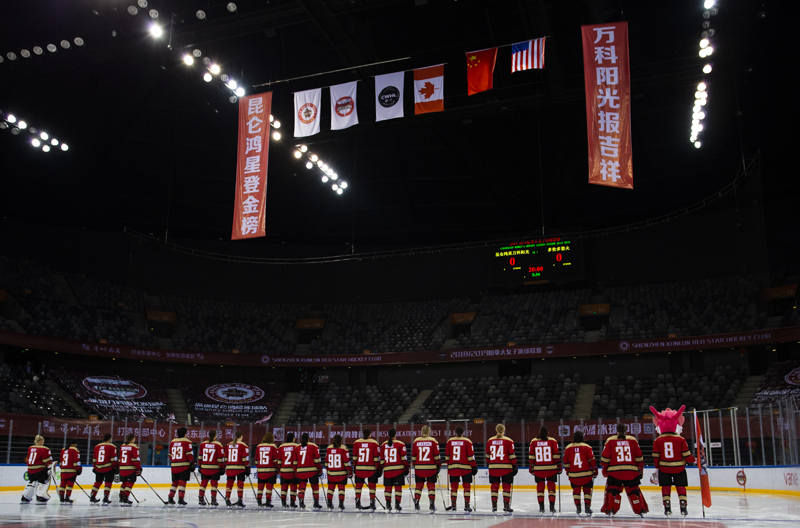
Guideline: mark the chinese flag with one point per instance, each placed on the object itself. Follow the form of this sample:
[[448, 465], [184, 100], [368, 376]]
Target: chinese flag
[[480, 69]]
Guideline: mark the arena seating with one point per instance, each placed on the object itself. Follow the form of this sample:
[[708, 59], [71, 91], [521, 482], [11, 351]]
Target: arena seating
[[333, 403], [100, 294], [23, 394], [510, 398]]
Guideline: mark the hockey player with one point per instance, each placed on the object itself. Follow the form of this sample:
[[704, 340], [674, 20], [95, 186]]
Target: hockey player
[[309, 469], [502, 467], [70, 462], [337, 461], [545, 466], [236, 469], [267, 459], [670, 456], [288, 463], [368, 466], [427, 463], [394, 461], [212, 466], [39, 461], [182, 466], [581, 469], [129, 468], [461, 466], [105, 467], [623, 464]]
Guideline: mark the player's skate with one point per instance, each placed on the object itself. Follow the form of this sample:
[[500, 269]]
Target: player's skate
[[268, 503], [494, 508], [106, 502], [667, 508], [553, 508], [389, 506], [372, 505], [93, 499], [541, 508], [302, 504], [41, 500], [358, 504], [467, 508], [397, 506], [239, 504], [416, 505], [23, 500], [317, 506], [684, 511], [67, 502], [171, 501], [182, 503], [126, 503], [589, 511], [214, 503], [292, 504], [578, 509], [341, 505], [329, 504], [432, 506], [283, 503], [201, 503], [259, 502], [507, 509]]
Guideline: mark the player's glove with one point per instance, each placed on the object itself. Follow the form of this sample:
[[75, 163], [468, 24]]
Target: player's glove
[[605, 472], [514, 473], [474, 470], [349, 472], [247, 471], [139, 472], [530, 470], [116, 471], [594, 473], [560, 469], [192, 467], [78, 470], [379, 472], [406, 472]]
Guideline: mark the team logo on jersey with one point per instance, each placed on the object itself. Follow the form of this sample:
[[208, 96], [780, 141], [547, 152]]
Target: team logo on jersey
[[344, 106], [117, 388], [624, 345], [793, 378], [307, 113], [234, 393], [389, 97], [265, 359], [741, 478]]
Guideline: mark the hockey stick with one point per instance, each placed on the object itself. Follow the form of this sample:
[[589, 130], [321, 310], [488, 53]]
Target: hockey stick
[[137, 500], [154, 491], [377, 499], [411, 490], [198, 483], [559, 492], [252, 488], [441, 493], [83, 490]]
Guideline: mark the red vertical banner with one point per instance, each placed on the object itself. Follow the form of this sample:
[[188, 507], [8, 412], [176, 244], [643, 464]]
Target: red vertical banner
[[606, 70], [249, 208]]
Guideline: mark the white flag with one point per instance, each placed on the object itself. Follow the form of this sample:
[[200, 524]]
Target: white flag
[[343, 106], [388, 96], [306, 112]]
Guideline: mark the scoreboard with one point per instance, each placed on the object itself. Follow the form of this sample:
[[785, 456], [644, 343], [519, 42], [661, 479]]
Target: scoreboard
[[547, 259]]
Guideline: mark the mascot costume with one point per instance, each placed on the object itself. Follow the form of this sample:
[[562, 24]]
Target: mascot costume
[[670, 455]]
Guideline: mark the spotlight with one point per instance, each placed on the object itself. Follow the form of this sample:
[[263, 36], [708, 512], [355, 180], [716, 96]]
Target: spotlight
[[25, 54], [54, 142], [233, 98], [64, 44], [324, 168], [334, 186], [276, 136], [38, 50], [11, 118], [224, 77], [44, 136], [201, 15], [709, 51], [64, 147], [188, 60], [702, 53], [232, 84], [276, 124], [700, 95], [33, 130], [702, 102], [695, 121], [232, 7], [298, 154], [78, 41], [339, 190], [708, 4], [240, 91], [1, 59], [334, 176], [697, 144], [314, 158], [309, 165], [271, 118], [324, 179], [197, 53], [206, 61], [153, 14], [133, 10], [35, 142], [700, 115], [22, 125], [156, 30], [704, 43], [3, 125], [52, 48], [303, 148], [707, 68], [142, 3], [329, 172], [215, 69], [343, 185], [11, 55], [46, 148], [207, 77], [701, 87], [320, 164], [15, 131]]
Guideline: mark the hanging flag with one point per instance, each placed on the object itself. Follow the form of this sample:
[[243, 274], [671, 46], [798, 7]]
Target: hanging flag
[[527, 55], [607, 79], [702, 463], [389, 96], [306, 112], [249, 207], [343, 106], [429, 89], [480, 70]]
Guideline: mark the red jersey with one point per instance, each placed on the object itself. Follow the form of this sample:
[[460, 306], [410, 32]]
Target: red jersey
[[212, 458], [337, 461], [238, 458], [622, 459], [460, 456], [367, 457], [308, 462], [180, 454], [500, 456], [580, 463], [105, 457], [70, 461], [38, 459], [544, 458], [267, 460], [425, 456], [394, 459], [288, 459], [671, 453], [129, 460]]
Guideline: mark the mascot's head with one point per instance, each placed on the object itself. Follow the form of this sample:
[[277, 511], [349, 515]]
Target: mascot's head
[[668, 421]]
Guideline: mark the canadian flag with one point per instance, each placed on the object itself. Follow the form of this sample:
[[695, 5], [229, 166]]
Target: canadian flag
[[429, 89]]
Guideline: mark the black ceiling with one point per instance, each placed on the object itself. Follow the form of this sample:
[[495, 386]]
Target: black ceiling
[[152, 146]]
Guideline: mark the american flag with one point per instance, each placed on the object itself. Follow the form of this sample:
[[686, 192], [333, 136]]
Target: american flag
[[527, 55]]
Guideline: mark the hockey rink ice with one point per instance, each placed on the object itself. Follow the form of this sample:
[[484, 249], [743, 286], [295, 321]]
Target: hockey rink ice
[[733, 509]]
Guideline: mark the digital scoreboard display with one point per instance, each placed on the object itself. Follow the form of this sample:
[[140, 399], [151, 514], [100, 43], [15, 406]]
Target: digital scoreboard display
[[546, 259]]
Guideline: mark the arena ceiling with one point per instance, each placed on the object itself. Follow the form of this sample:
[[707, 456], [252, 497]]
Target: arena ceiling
[[152, 146]]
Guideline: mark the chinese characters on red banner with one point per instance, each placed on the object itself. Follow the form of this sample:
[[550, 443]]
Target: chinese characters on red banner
[[608, 110], [251, 168]]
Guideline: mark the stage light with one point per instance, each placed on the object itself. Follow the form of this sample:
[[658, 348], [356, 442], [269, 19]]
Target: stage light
[[156, 30], [35, 142], [133, 10], [52, 48], [240, 91], [697, 144], [3, 125], [324, 167], [709, 50], [38, 50], [334, 176], [708, 4], [343, 185], [314, 158], [701, 87], [276, 124], [704, 43], [702, 102], [232, 84], [324, 179], [334, 186], [707, 68], [700, 115], [11, 55], [33, 130], [54, 142], [215, 69], [22, 125], [44, 136], [206, 61], [197, 53], [25, 54], [303, 148], [320, 163], [695, 121], [188, 60], [46, 148], [224, 77], [309, 165], [11, 118], [339, 190], [298, 154], [702, 53], [232, 7], [15, 131], [233, 98], [200, 14], [329, 171], [65, 44], [207, 77], [276, 136], [700, 95], [78, 41], [64, 147], [153, 14], [142, 3]]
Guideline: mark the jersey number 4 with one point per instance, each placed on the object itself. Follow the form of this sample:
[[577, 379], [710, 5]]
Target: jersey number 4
[[496, 452]]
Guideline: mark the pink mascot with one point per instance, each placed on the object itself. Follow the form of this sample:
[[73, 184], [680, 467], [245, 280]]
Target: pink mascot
[[670, 455]]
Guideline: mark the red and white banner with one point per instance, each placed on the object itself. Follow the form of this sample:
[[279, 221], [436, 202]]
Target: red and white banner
[[249, 208], [429, 89], [606, 71]]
